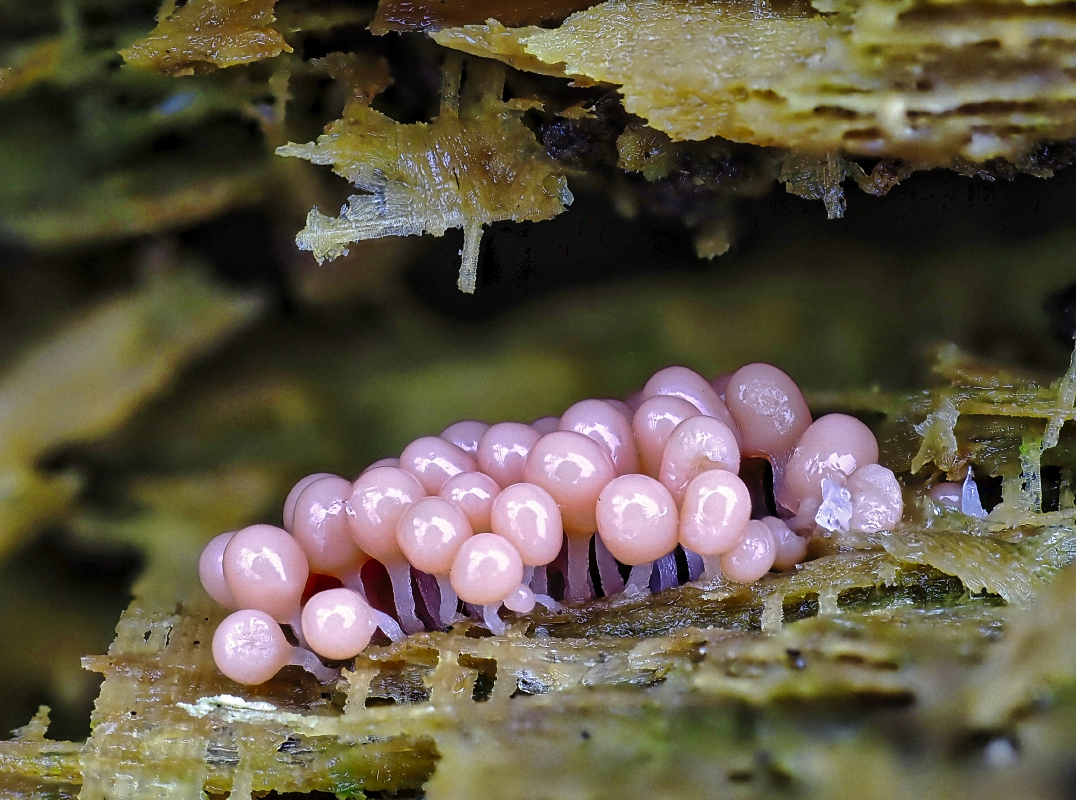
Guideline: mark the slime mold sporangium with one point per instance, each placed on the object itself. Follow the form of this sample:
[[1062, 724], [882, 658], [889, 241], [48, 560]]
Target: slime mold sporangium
[[496, 536]]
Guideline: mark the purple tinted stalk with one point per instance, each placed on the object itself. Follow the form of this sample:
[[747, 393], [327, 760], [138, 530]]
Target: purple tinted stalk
[[296, 625], [493, 619], [711, 572], [578, 579], [301, 657], [639, 579], [388, 625], [664, 574], [539, 583], [449, 601], [695, 565], [355, 584], [608, 571], [404, 598]]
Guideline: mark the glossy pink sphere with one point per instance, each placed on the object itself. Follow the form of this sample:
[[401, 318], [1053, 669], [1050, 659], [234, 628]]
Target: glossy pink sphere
[[877, 500], [503, 451], [752, 556], [322, 527], [433, 461], [696, 445], [338, 624], [528, 517], [378, 500], [249, 647], [546, 425], [947, 494], [637, 519], [791, 548], [834, 446], [521, 600], [769, 409], [211, 571], [465, 434], [384, 462], [691, 386], [605, 424], [653, 424], [720, 384], [430, 533], [625, 410], [296, 490], [715, 511], [473, 494], [266, 570], [486, 570], [573, 469]]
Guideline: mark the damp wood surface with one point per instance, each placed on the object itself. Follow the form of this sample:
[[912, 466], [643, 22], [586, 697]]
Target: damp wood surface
[[200, 35], [874, 79], [420, 15], [165, 120]]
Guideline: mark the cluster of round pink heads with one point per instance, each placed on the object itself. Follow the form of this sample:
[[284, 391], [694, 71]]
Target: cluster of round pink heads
[[506, 514]]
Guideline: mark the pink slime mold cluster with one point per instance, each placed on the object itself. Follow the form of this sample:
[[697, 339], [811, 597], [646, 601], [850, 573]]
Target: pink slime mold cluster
[[506, 514]]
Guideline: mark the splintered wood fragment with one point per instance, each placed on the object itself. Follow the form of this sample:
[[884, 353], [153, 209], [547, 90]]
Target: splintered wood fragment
[[907, 82], [420, 15], [1066, 399], [474, 164], [204, 35]]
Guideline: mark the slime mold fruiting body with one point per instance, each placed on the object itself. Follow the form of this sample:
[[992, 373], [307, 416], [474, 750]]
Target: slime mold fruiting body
[[964, 497], [472, 493], [503, 451], [320, 524], [769, 410], [486, 571], [338, 623], [574, 469], [653, 424], [380, 498], [638, 522], [249, 647], [430, 534], [486, 516], [266, 570], [715, 512], [211, 571], [607, 425], [465, 434], [696, 445]]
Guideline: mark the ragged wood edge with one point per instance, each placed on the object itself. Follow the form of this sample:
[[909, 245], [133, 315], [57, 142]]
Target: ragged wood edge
[[474, 164], [846, 82], [494, 40], [204, 35]]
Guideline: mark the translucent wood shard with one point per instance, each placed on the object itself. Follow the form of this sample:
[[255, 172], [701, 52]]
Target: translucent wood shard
[[474, 164], [911, 80], [415, 15], [206, 34], [939, 442], [494, 40]]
